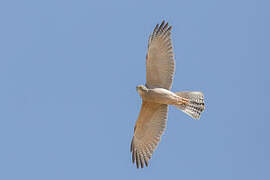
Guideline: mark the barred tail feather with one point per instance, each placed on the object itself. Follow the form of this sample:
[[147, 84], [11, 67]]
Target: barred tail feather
[[196, 103]]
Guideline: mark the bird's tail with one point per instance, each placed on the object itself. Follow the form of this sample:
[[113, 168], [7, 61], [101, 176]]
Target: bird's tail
[[195, 105]]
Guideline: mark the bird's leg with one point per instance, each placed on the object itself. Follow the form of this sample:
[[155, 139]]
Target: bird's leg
[[182, 101]]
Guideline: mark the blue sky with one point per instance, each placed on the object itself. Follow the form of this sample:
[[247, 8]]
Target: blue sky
[[68, 102]]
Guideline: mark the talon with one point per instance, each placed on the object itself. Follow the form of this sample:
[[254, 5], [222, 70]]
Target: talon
[[186, 101], [183, 101]]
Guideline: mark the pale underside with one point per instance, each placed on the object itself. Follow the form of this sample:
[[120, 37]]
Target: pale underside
[[151, 122]]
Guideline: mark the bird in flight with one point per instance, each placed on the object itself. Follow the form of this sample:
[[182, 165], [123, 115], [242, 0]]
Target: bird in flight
[[156, 96]]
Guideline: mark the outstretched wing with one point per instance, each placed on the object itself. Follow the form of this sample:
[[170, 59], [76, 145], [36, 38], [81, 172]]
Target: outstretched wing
[[159, 59], [149, 127]]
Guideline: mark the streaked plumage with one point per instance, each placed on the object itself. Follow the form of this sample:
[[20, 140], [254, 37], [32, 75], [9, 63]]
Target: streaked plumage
[[156, 96]]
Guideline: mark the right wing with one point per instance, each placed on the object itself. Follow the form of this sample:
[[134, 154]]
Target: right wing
[[159, 59]]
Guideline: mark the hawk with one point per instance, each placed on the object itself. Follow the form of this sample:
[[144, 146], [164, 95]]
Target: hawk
[[156, 96]]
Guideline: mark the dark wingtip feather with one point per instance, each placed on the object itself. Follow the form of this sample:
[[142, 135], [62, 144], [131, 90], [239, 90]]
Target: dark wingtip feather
[[145, 162], [166, 25], [133, 157], [156, 28], [137, 160], [161, 27], [162, 22], [141, 161]]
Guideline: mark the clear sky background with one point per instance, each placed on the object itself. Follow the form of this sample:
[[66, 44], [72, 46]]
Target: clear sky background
[[68, 102]]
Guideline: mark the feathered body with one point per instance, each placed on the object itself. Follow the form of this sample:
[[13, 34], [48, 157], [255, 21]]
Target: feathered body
[[160, 95]]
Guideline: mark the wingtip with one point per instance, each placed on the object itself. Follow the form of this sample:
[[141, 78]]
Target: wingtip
[[133, 157], [137, 160], [131, 145], [162, 23]]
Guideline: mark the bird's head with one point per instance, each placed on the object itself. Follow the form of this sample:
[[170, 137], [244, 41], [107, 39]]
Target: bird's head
[[141, 89]]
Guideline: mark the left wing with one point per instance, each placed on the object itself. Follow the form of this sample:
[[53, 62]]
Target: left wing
[[147, 132]]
